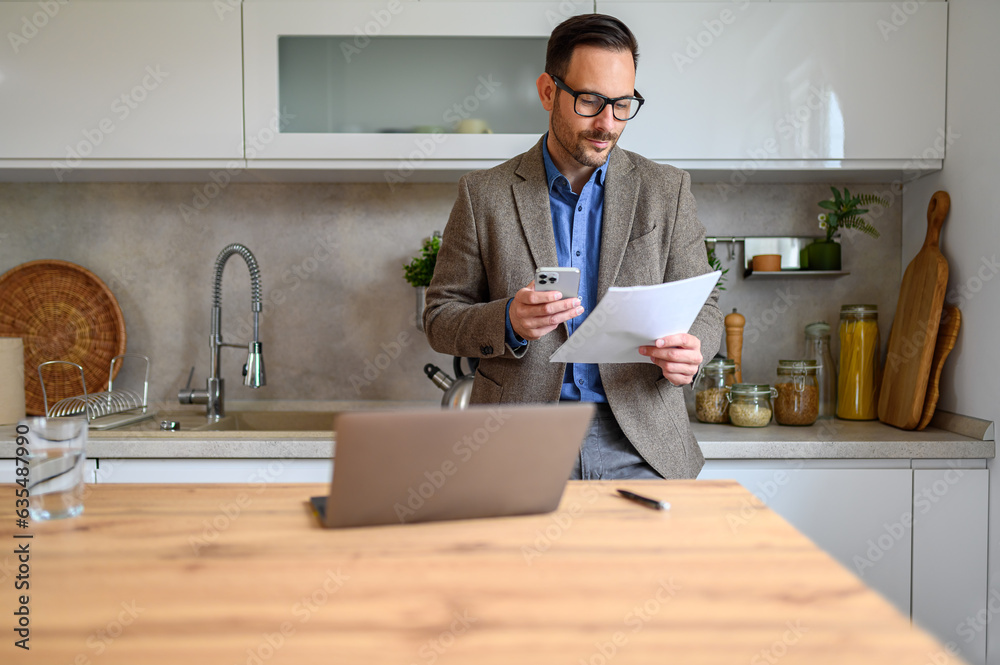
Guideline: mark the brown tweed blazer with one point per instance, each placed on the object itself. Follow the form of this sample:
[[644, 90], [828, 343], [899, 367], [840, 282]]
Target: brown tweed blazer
[[500, 231]]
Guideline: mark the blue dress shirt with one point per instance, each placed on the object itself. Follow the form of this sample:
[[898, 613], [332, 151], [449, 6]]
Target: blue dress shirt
[[576, 222]]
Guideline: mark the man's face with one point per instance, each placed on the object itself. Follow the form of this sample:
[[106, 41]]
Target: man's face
[[592, 69]]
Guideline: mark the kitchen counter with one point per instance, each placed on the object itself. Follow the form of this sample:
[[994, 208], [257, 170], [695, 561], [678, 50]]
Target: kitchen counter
[[243, 573], [950, 436]]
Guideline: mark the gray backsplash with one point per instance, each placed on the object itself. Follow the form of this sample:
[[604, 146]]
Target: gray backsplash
[[338, 317]]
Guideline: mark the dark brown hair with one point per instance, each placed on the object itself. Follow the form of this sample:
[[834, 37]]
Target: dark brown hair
[[587, 30]]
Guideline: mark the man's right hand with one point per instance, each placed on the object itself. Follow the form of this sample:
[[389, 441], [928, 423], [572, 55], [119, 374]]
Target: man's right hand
[[534, 314]]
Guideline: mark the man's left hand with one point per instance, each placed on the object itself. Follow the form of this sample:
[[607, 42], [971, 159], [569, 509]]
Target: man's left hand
[[677, 355]]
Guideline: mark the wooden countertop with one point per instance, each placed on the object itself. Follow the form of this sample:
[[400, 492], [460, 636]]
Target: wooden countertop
[[189, 574]]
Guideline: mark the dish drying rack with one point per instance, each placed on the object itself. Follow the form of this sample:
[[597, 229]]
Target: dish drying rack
[[113, 407]]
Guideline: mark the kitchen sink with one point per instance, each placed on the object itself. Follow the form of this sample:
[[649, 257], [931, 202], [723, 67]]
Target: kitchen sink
[[273, 421]]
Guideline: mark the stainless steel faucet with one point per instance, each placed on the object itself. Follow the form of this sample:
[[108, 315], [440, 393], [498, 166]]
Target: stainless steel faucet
[[253, 372]]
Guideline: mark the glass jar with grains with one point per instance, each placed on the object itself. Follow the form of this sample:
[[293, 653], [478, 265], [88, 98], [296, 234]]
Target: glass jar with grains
[[710, 389], [750, 404], [797, 401]]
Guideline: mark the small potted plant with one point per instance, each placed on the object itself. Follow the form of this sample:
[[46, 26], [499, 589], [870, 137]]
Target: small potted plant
[[843, 211], [420, 269], [715, 264]]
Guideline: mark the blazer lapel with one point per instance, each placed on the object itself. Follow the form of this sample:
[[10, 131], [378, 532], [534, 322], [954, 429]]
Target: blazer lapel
[[531, 196], [621, 192]]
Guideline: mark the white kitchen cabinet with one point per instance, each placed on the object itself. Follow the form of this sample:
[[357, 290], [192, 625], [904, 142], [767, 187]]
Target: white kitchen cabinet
[[751, 87], [951, 519], [856, 514], [382, 85], [914, 530], [214, 471], [120, 85], [9, 475]]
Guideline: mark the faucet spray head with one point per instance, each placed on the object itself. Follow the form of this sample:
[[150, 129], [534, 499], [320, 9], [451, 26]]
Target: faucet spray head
[[253, 371]]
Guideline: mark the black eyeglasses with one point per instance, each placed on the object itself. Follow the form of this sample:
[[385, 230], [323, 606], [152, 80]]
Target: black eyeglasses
[[589, 104]]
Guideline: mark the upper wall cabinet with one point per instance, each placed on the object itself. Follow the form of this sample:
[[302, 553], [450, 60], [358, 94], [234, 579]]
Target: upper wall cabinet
[[396, 86], [794, 86], [109, 85]]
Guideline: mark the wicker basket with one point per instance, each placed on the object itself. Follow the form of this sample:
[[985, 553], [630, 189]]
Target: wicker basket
[[62, 311]]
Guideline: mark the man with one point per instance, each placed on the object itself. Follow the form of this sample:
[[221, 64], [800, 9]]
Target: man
[[575, 199]]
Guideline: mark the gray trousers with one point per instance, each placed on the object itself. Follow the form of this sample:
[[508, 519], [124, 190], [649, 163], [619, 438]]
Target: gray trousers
[[607, 454]]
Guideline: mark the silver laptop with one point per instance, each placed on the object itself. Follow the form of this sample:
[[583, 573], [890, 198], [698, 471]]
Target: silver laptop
[[398, 467]]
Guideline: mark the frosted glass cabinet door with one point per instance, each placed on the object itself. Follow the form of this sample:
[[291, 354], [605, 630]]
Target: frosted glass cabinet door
[[818, 81], [120, 80], [362, 84]]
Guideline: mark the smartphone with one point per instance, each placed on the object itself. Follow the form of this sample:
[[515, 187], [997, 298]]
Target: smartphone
[[564, 280]]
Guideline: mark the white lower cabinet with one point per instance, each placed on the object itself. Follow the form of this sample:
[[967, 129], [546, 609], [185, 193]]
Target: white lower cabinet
[[950, 517], [8, 471], [915, 531], [856, 515], [214, 471]]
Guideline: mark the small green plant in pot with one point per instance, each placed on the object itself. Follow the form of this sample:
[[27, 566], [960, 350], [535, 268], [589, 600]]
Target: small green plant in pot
[[419, 271], [715, 264], [843, 211]]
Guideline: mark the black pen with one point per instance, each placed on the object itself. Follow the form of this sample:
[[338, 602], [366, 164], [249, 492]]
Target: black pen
[[645, 500]]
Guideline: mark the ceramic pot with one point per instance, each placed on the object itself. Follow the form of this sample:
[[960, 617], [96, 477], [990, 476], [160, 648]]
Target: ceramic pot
[[824, 255]]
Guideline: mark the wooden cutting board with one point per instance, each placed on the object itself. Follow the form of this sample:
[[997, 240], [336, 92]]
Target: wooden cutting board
[[915, 328], [951, 320]]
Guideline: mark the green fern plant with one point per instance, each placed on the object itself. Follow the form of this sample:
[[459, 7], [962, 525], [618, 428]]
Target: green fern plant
[[716, 264], [845, 212], [420, 269]]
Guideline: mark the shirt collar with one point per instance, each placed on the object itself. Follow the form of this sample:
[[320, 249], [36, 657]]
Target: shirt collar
[[552, 173]]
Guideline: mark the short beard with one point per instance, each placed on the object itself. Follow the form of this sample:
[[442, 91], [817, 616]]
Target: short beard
[[577, 146]]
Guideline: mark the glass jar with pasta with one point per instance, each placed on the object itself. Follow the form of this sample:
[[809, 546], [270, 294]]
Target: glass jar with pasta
[[859, 375]]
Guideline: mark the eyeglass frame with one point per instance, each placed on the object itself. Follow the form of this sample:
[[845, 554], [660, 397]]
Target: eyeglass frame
[[635, 96]]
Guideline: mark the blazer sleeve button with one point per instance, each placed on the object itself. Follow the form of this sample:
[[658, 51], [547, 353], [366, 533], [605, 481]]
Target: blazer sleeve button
[[486, 350]]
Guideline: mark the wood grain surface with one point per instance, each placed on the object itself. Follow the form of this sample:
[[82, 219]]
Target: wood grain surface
[[234, 574], [951, 321], [914, 329]]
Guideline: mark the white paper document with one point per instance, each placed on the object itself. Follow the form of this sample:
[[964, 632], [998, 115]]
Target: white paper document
[[634, 316]]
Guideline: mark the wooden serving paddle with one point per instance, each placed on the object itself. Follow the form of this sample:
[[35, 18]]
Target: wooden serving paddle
[[951, 320], [915, 328]]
